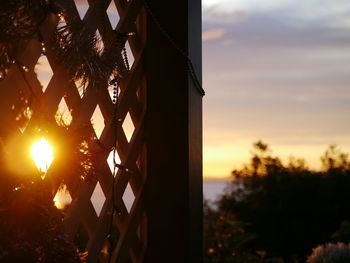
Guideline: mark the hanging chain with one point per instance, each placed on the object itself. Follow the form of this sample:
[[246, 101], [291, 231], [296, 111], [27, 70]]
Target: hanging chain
[[115, 99], [115, 94], [114, 207], [125, 58]]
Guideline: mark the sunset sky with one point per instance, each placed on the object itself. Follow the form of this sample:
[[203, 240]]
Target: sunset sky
[[276, 70]]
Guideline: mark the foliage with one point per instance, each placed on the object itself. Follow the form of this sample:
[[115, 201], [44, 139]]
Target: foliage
[[289, 209], [30, 225], [342, 233], [81, 52], [74, 154], [73, 44], [19, 21], [330, 253], [30, 228], [225, 238]]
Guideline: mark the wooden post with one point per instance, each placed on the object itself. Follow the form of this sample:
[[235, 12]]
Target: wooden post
[[173, 192]]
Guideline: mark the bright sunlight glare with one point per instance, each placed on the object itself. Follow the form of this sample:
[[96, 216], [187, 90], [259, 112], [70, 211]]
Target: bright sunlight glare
[[42, 154], [62, 198]]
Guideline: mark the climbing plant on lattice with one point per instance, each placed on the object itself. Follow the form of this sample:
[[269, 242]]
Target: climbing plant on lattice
[[65, 65]]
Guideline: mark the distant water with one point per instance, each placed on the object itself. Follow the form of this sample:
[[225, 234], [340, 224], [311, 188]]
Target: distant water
[[213, 189]]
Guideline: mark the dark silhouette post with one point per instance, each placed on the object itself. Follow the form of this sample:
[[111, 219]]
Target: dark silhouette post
[[173, 197]]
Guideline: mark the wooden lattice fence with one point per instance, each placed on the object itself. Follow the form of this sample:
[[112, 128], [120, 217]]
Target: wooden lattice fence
[[91, 106], [157, 132]]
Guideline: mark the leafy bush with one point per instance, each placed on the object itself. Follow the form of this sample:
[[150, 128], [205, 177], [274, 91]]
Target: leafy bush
[[330, 253], [31, 228], [288, 209], [225, 238]]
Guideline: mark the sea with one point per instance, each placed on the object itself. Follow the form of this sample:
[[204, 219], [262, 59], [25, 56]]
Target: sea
[[213, 189]]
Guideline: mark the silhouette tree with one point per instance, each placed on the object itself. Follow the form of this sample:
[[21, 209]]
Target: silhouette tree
[[288, 209]]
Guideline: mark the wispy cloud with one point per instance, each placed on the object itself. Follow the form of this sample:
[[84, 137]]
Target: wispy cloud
[[283, 77], [323, 13], [227, 6], [213, 34]]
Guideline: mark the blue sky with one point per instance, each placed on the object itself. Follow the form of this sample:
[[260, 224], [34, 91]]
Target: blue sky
[[276, 70]]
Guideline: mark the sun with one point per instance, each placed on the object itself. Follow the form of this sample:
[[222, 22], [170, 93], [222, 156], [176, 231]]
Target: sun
[[42, 154]]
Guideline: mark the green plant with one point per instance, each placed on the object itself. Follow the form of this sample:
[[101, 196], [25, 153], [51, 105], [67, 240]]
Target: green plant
[[330, 253], [288, 209]]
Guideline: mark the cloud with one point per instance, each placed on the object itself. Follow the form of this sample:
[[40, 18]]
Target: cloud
[[213, 34], [215, 16], [297, 12], [280, 74], [227, 6]]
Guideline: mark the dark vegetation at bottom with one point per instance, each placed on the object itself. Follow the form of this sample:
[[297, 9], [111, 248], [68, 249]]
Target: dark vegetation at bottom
[[273, 212]]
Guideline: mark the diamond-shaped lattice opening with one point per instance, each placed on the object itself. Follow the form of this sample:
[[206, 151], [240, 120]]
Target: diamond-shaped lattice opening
[[63, 114], [22, 111], [81, 89], [110, 161], [62, 21], [97, 121], [113, 14], [110, 91], [128, 197], [42, 155], [27, 113], [98, 198], [129, 53], [43, 71], [62, 198], [99, 45], [82, 6], [111, 87], [128, 127]]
